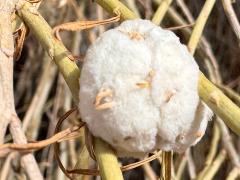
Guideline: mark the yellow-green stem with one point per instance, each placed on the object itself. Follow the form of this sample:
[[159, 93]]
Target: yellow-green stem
[[161, 11], [114, 5], [210, 173], [106, 159], [199, 25], [219, 103], [55, 48]]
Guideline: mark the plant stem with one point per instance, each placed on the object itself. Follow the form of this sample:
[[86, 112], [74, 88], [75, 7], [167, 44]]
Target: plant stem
[[200, 24], [232, 17], [106, 159], [219, 103], [7, 108], [234, 174], [215, 166], [161, 11], [113, 5], [54, 48]]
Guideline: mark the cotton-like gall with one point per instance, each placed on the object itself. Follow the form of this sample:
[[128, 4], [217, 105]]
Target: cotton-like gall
[[138, 90]]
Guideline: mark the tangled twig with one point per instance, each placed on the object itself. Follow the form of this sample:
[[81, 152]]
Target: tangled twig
[[77, 26], [89, 145], [68, 133]]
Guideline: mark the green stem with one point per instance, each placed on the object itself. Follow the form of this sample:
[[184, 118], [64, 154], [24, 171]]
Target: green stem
[[199, 25], [161, 11], [55, 48], [115, 5], [106, 159], [219, 103]]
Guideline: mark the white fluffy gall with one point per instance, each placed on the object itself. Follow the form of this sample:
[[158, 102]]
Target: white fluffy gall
[[139, 90]]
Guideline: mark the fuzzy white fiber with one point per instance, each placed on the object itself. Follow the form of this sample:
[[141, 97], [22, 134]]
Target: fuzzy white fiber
[[166, 115]]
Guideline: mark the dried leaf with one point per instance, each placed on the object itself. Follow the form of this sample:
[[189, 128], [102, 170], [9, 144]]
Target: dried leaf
[[81, 25], [19, 40]]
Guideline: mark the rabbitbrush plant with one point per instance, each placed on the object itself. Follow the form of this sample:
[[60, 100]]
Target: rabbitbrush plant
[[104, 96]]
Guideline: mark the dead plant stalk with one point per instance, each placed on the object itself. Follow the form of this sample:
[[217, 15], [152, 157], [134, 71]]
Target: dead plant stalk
[[8, 113]]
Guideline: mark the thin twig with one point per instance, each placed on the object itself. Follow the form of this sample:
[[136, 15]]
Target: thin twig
[[232, 18], [228, 144], [185, 10], [132, 5], [161, 11], [28, 160], [166, 165], [180, 27], [181, 167], [234, 174], [41, 144], [150, 174], [7, 164], [214, 145], [215, 166], [200, 24], [39, 99], [113, 5], [191, 165]]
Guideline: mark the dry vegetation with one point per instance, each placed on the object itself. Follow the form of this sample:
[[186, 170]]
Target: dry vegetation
[[30, 111]]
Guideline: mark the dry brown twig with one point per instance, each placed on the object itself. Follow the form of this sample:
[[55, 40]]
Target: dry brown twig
[[123, 168], [150, 174], [28, 160], [8, 114], [232, 17], [66, 133], [180, 27], [7, 165], [81, 25], [185, 10], [69, 133], [21, 34], [191, 164], [6, 69], [32, 117]]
